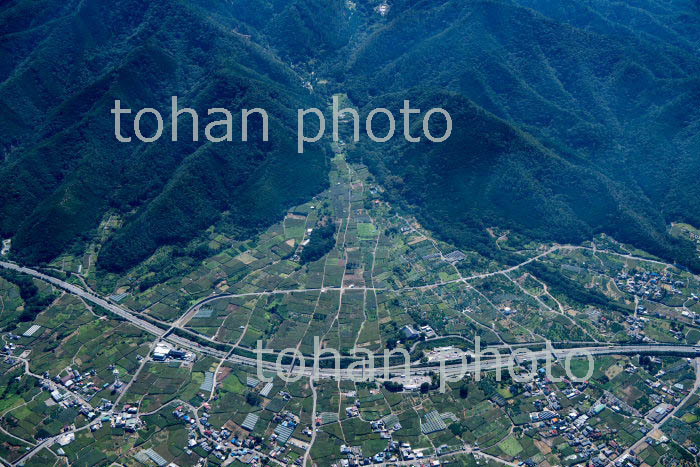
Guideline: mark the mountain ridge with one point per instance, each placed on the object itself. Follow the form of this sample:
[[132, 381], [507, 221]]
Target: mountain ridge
[[579, 96]]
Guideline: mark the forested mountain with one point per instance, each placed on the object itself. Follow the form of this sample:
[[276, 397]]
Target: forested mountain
[[63, 167], [569, 118], [606, 104]]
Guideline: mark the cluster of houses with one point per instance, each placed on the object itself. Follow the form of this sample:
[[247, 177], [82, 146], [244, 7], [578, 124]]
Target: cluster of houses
[[636, 325], [228, 443], [221, 443], [694, 236], [584, 438], [667, 393], [67, 399], [64, 396], [650, 285], [592, 442], [452, 258], [128, 419], [394, 452], [83, 384], [9, 347], [353, 410]]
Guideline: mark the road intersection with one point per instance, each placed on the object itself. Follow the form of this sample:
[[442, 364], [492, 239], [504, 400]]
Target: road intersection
[[355, 372]]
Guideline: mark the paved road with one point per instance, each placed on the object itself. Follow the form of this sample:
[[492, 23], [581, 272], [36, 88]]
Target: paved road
[[467, 450], [668, 416], [75, 290], [188, 314], [314, 428], [451, 370], [48, 442]]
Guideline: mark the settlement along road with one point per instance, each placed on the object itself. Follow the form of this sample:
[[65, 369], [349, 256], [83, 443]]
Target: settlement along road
[[451, 369]]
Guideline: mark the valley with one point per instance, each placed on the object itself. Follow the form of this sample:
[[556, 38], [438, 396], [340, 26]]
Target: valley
[[507, 276], [385, 282]]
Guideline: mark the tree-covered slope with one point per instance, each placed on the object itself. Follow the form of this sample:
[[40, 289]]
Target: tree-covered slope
[[570, 119], [64, 168], [619, 110]]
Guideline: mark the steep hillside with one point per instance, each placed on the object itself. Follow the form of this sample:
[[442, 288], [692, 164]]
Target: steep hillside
[[64, 168], [569, 120], [617, 109]]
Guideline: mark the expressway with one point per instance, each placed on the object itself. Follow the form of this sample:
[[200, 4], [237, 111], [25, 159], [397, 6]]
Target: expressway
[[356, 372], [75, 290]]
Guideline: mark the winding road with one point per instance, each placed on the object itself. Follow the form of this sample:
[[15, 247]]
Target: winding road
[[452, 369]]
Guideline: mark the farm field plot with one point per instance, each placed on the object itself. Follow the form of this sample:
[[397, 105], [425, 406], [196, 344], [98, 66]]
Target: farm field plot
[[382, 281]]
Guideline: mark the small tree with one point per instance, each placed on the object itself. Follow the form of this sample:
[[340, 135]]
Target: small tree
[[252, 399], [464, 391], [457, 429]]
